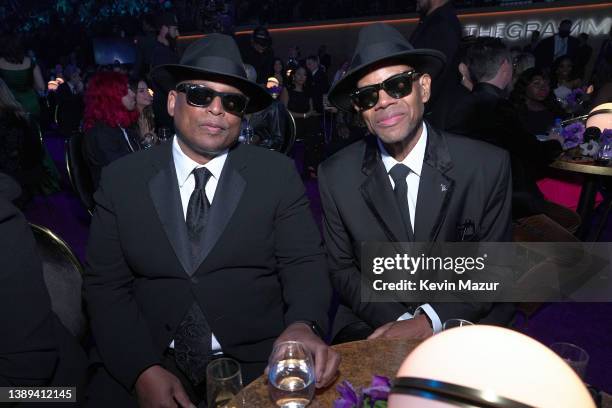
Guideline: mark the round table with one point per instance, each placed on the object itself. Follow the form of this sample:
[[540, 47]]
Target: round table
[[360, 361], [592, 174]]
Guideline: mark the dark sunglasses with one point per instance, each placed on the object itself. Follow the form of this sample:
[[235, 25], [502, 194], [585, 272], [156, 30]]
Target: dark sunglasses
[[396, 86], [201, 96]]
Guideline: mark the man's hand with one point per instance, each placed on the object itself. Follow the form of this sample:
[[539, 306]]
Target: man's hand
[[416, 328], [157, 387], [326, 359]]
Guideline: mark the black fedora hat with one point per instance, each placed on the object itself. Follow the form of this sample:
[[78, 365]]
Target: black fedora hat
[[215, 57], [377, 43]]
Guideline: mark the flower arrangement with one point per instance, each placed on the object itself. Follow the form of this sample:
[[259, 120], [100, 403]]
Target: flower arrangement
[[374, 396], [588, 141], [573, 101]]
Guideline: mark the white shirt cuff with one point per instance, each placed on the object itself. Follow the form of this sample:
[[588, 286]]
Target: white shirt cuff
[[433, 316], [405, 316]]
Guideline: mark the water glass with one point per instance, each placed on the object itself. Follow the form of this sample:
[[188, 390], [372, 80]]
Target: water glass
[[452, 323], [573, 355], [604, 156], [223, 382], [291, 376]]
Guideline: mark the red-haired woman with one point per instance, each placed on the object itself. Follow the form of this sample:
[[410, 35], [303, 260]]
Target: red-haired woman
[[110, 111]]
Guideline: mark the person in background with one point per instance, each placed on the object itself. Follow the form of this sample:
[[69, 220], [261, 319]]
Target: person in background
[[21, 153], [560, 44], [145, 44], [164, 52], [69, 97], [563, 78], [535, 103], [318, 83], [439, 29], [583, 55], [110, 112], [324, 57], [278, 71], [144, 106], [300, 104], [534, 40], [260, 54], [21, 74]]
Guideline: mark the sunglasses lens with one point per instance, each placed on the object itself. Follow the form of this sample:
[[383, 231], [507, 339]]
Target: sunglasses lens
[[234, 103], [366, 98], [399, 86], [200, 96]]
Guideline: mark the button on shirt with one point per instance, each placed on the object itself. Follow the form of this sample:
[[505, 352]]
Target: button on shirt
[[184, 173], [414, 161]]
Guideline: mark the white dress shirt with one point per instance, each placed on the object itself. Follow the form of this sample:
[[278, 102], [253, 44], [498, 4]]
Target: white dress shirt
[[186, 181], [414, 161]]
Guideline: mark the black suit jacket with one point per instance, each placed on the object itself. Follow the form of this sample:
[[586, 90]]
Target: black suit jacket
[[545, 50], [440, 30], [359, 206], [70, 109], [36, 350], [261, 266], [485, 114], [319, 85]]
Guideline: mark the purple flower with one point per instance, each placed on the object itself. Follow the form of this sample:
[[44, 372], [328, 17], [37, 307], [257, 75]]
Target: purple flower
[[575, 97], [606, 137], [349, 398], [379, 389], [572, 134]]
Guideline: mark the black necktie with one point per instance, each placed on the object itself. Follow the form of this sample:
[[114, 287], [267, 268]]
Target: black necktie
[[192, 340], [398, 173]]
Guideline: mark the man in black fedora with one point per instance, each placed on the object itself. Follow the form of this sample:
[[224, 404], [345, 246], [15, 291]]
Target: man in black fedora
[[201, 247], [406, 181]]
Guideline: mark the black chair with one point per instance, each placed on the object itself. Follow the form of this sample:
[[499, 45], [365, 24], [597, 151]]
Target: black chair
[[62, 273], [78, 171], [274, 128]]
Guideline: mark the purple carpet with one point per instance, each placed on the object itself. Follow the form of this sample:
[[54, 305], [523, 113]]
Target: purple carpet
[[588, 325]]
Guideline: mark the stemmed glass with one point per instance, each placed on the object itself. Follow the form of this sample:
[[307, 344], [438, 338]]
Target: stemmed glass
[[223, 382], [452, 323], [291, 376]]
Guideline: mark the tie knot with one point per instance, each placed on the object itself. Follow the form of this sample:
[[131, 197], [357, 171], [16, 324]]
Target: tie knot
[[201, 175], [399, 172]]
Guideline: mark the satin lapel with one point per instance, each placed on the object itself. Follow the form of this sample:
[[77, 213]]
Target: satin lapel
[[435, 189], [164, 192], [378, 194], [227, 196]]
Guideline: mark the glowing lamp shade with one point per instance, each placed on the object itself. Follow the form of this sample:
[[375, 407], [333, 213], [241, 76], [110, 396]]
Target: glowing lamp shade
[[491, 365]]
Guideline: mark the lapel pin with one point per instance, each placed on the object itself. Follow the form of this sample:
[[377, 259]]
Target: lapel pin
[[443, 187]]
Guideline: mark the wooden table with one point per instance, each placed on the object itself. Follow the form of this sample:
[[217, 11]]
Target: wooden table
[[592, 174], [360, 360]]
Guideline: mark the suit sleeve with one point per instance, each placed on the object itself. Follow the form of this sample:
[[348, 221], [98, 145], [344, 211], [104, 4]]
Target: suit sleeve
[[122, 336], [496, 226], [345, 268], [300, 256]]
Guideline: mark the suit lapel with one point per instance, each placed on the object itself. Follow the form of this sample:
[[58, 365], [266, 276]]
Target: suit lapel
[[378, 194], [227, 196], [164, 192], [435, 189]]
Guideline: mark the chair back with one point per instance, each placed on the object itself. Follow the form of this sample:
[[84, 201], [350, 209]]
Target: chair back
[[78, 171], [289, 131], [62, 272]]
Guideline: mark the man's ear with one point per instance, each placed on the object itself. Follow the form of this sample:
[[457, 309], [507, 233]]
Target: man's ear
[[425, 87], [172, 95]]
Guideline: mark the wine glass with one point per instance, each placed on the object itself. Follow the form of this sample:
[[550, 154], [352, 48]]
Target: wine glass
[[452, 323], [574, 356], [164, 134], [291, 376], [223, 382]]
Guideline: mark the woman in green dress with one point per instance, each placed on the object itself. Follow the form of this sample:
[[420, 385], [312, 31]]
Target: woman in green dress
[[21, 75]]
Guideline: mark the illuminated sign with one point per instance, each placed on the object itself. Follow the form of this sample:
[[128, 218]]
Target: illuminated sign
[[521, 30]]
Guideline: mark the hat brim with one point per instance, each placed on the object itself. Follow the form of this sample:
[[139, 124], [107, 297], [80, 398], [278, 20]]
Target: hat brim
[[423, 60], [169, 75]]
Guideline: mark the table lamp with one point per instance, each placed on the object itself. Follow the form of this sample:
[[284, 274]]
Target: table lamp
[[486, 367]]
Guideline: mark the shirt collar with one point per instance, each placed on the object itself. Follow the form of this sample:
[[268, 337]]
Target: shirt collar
[[184, 165], [415, 158]]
